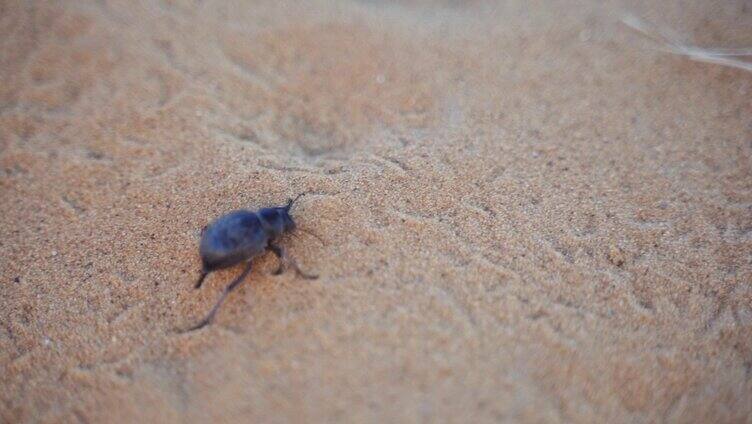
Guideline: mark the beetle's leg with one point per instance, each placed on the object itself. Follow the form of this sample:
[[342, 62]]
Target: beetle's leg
[[285, 260], [209, 318], [200, 281], [281, 255]]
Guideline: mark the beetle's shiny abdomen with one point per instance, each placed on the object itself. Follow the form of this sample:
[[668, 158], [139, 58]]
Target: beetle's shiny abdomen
[[231, 239]]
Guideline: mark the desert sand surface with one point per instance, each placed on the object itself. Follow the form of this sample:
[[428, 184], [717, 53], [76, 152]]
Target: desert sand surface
[[519, 211]]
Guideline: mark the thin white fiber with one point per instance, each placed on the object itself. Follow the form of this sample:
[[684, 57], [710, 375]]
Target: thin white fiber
[[671, 42]]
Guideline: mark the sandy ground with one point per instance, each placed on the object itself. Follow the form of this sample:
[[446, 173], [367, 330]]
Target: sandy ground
[[517, 210]]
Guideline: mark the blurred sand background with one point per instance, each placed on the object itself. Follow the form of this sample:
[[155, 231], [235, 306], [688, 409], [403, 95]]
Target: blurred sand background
[[518, 210]]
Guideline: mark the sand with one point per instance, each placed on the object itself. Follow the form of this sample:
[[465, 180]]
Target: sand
[[518, 212]]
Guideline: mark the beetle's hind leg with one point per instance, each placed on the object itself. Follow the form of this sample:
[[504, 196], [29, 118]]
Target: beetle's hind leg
[[230, 287], [285, 260]]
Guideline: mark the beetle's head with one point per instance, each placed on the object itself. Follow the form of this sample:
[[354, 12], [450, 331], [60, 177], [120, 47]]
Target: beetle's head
[[287, 221], [275, 221], [289, 224], [278, 220]]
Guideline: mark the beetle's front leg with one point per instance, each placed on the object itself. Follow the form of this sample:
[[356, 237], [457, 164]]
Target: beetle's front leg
[[285, 260], [281, 255]]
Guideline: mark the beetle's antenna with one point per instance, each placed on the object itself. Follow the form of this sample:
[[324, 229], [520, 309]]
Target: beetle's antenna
[[291, 201]]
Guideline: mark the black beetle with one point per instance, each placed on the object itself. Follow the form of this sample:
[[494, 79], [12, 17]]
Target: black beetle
[[240, 236]]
